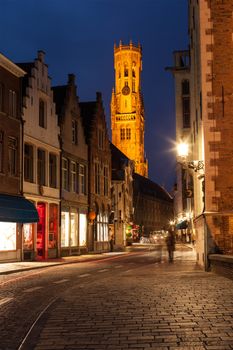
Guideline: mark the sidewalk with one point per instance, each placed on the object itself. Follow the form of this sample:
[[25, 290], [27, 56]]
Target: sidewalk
[[14, 267]]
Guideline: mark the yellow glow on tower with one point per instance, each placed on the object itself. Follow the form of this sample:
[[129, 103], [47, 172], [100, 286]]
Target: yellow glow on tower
[[127, 110]]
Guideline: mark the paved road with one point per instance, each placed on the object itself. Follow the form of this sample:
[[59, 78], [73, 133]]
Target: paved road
[[128, 301]]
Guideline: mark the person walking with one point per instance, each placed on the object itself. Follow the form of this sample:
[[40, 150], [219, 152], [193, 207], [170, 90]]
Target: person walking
[[170, 241]]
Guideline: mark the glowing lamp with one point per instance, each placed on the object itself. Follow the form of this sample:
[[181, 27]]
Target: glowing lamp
[[182, 149]]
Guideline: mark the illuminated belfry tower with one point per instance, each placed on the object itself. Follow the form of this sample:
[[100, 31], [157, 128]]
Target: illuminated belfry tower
[[127, 110]]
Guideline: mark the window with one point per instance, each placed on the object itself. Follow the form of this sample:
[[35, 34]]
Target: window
[[122, 133], [65, 182], [133, 86], [128, 133], [28, 163], [12, 156], [74, 132], [126, 71], [1, 151], [73, 177], [12, 103], [1, 97], [186, 112], [100, 138], [185, 87], [186, 103], [41, 177], [97, 178], [82, 179], [42, 114], [52, 170], [106, 181]]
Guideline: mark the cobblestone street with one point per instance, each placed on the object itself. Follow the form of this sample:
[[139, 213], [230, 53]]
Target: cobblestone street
[[141, 304]]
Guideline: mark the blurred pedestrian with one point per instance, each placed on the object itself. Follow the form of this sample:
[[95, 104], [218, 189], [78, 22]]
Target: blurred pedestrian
[[111, 242], [170, 242]]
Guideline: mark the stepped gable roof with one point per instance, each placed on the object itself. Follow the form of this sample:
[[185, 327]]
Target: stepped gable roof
[[88, 113], [59, 95], [150, 188]]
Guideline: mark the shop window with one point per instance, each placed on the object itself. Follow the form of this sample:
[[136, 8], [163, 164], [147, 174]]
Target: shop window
[[12, 103], [73, 229], [8, 236], [65, 227], [52, 170], [82, 230], [41, 167], [1, 151], [12, 156], [42, 114], [40, 241], [28, 230], [28, 162], [74, 132], [53, 222], [102, 227]]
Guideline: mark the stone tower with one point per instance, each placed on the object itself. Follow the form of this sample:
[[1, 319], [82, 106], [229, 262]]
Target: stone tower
[[127, 110]]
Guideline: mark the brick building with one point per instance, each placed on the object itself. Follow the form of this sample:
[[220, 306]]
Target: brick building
[[14, 209], [99, 173], [211, 125]]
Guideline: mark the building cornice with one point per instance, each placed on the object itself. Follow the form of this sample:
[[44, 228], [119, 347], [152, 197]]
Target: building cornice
[[11, 67]]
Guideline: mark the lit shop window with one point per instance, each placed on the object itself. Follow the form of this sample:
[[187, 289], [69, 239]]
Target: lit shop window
[[73, 229], [8, 236], [82, 229], [65, 229], [53, 221], [28, 236]]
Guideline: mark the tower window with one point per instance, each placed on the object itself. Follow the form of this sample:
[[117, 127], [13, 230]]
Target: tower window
[[133, 73], [126, 70], [133, 86], [122, 134], [128, 133]]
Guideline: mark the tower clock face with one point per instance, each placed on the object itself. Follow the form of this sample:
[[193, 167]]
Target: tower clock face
[[125, 90]]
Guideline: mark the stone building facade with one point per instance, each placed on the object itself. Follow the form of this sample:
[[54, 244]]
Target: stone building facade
[[99, 173], [74, 170], [127, 109], [122, 196], [41, 161]]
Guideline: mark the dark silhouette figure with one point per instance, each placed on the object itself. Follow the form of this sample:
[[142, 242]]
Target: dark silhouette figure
[[111, 242], [170, 241]]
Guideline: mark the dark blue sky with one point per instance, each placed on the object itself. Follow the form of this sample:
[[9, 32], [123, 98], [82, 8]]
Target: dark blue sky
[[78, 37]]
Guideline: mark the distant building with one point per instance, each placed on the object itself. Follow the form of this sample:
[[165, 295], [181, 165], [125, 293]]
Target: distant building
[[99, 173], [74, 170], [122, 196], [153, 206], [14, 208], [127, 109], [41, 163]]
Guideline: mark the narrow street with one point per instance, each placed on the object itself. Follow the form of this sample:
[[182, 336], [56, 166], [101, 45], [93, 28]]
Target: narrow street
[[124, 301]]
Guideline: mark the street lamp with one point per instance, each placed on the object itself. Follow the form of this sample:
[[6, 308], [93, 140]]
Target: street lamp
[[182, 152]]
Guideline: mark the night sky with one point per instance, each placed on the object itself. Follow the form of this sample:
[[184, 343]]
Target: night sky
[[78, 37]]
